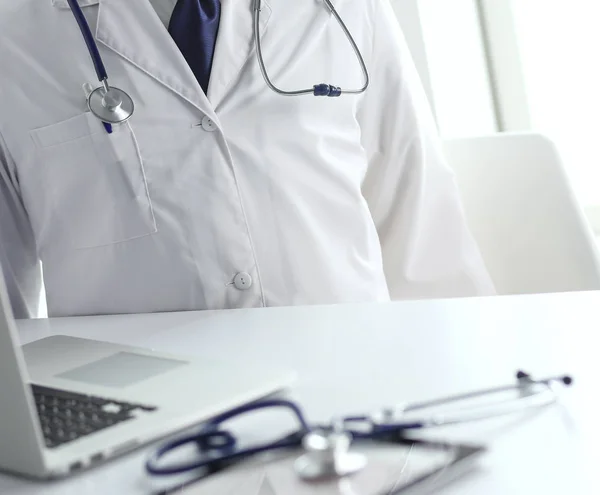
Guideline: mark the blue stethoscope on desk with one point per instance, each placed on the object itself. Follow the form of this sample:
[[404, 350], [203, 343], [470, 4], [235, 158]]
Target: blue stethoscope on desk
[[114, 106], [326, 448]]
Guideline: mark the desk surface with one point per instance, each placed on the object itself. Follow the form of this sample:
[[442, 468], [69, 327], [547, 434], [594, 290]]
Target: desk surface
[[359, 358]]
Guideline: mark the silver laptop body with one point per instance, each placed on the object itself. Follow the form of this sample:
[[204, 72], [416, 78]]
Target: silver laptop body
[[67, 404]]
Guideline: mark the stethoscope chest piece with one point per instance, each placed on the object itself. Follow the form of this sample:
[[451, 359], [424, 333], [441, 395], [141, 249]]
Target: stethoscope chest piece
[[327, 456], [114, 106]]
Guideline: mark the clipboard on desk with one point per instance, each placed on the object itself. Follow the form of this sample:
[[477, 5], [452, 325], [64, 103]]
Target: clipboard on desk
[[398, 466]]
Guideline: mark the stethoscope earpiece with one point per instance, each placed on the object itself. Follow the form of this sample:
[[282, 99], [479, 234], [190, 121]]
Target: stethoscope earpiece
[[567, 380]]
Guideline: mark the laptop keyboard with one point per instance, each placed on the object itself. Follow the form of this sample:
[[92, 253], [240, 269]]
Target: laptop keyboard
[[67, 416]]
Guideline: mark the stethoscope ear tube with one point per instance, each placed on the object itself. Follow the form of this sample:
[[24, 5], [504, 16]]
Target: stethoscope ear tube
[[112, 105], [536, 400], [524, 382], [323, 89]]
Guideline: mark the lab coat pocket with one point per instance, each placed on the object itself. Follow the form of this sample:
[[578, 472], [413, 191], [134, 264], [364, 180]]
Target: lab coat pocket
[[91, 189]]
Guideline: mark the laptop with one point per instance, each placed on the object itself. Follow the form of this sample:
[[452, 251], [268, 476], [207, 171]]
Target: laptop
[[67, 404]]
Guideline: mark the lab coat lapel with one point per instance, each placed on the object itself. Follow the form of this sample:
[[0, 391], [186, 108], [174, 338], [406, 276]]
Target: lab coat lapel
[[235, 44], [133, 30]]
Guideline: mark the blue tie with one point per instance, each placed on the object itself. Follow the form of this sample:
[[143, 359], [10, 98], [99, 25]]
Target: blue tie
[[194, 26]]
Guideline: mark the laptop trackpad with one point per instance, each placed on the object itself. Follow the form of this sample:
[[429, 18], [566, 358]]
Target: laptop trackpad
[[121, 370]]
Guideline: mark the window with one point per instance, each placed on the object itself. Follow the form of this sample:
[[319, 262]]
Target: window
[[515, 65], [559, 48], [446, 40]]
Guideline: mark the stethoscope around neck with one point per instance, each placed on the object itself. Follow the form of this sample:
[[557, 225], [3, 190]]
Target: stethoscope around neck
[[112, 105]]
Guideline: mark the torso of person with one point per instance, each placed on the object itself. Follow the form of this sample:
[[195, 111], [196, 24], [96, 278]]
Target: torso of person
[[237, 198]]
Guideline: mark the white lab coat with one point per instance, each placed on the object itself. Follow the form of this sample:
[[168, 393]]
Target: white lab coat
[[242, 199]]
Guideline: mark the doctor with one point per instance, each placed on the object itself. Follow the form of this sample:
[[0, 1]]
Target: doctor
[[218, 192]]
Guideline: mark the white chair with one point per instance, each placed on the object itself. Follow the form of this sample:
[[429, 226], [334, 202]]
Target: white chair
[[522, 211]]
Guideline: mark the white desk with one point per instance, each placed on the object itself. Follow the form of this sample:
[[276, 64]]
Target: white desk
[[358, 358]]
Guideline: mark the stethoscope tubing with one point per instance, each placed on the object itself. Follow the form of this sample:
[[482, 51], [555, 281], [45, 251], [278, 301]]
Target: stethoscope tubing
[[524, 379], [330, 90], [89, 40], [211, 440], [309, 91], [205, 440]]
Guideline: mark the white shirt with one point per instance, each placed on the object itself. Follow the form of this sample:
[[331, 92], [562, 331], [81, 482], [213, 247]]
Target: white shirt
[[164, 9], [244, 198]]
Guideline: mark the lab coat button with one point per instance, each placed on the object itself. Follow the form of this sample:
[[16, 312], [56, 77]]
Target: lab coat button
[[242, 281], [208, 125]]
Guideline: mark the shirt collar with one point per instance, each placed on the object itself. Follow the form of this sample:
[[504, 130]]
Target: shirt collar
[[63, 4]]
